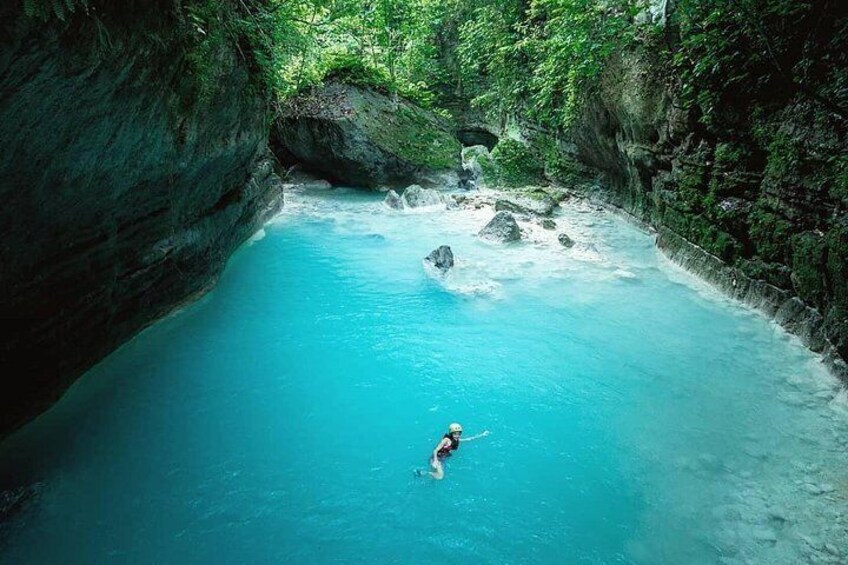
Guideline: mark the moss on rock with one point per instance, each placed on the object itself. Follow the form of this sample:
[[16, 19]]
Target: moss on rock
[[516, 164]]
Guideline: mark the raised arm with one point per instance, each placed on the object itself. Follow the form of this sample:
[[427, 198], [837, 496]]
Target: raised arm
[[484, 433]]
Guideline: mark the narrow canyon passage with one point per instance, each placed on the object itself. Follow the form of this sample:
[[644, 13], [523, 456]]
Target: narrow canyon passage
[[636, 416]]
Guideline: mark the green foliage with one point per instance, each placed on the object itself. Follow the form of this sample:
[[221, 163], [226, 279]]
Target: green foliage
[[730, 156], [784, 158], [350, 69], [559, 165], [568, 50], [743, 54], [61, 9], [769, 232], [837, 262], [692, 186], [808, 256], [516, 164], [839, 178], [544, 56]]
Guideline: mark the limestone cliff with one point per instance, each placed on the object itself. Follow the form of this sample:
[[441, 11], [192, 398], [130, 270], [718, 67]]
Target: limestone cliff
[[125, 186], [763, 219]]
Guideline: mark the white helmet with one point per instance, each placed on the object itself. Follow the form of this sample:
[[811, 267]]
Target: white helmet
[[454, 428]]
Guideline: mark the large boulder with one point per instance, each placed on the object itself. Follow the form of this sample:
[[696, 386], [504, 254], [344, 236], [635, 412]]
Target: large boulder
[[360, 137], [502, 228], [441, 258], [416, 196]]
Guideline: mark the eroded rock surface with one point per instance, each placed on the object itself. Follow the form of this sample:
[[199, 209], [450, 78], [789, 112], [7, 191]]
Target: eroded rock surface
[[441, 258], [124, 192], [360, 137], [502, 228]]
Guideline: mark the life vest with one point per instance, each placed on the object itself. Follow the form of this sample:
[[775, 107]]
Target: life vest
[[445, 451]]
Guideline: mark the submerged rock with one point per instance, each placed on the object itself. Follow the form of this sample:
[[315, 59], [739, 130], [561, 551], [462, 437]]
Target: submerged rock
[[441, 258], [14, 500], [549, 224], [502, 227], [416, 197], [565, 241], [393, 200]]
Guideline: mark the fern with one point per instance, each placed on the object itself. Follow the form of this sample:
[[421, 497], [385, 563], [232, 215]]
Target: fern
[[45, 10], [59, 9]]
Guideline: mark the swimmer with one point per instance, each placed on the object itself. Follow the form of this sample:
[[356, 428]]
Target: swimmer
[[449, 443]]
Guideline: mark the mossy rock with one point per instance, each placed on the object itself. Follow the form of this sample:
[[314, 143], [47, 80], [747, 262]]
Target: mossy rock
[[808, 264], [361, 137], [516, 165], [770, 232]]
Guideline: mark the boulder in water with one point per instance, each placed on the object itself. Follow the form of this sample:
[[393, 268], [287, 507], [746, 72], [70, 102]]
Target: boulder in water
[[393, 200], [417, 197], [441, 258], [361, 137], [565, 241], [502, 227], [549, 224]]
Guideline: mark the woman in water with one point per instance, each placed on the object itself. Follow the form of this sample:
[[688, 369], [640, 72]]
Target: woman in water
[[449, 443]]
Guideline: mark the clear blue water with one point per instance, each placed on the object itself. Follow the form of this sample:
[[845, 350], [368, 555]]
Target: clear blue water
[[635, 416]]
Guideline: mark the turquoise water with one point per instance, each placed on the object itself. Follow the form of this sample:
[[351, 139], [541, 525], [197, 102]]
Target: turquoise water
[[635, 416]]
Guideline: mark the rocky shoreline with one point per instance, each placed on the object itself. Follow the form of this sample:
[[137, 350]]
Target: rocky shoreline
[[538, 203]]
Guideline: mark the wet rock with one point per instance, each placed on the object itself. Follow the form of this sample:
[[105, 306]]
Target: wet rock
[[441, 258], [393, 200], [530, 202], [502, 227], [417, 197], [565, 241], [504, 205], [549, 224]]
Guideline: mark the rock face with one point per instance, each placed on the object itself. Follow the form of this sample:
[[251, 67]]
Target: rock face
[[417, 197], [124, 192], [393, 200], [363, 138], [763, 220], [502, 228], [529, 203], [441, 258]]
